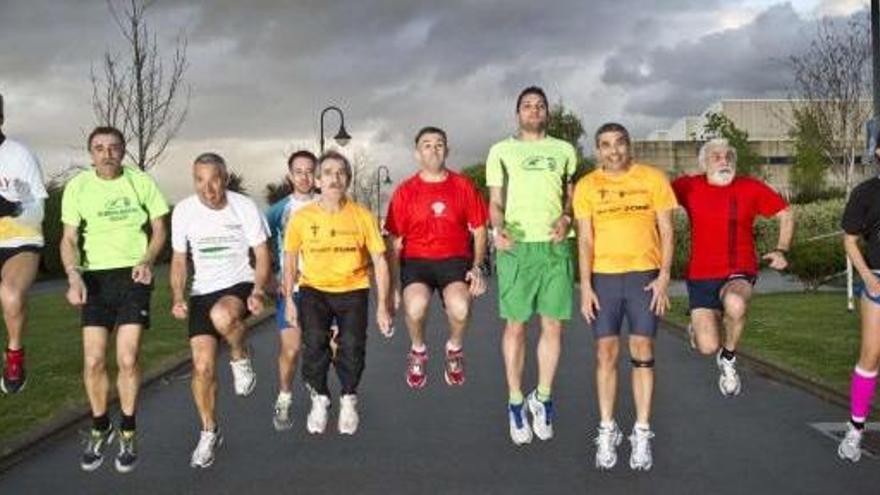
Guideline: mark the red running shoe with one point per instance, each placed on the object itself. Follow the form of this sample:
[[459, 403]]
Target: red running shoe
[[454, 367], [14, 377], [416, 375]]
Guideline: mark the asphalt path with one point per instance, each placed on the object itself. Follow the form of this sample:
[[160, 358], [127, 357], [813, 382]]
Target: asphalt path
[[455, 440]]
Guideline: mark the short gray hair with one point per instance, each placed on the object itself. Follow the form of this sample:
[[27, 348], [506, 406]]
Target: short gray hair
[[214, 159], [714, 143]]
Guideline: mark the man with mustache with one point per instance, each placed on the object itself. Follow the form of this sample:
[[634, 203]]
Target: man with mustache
[[723, 268], [21, 239], [108, 205], [337, 239]]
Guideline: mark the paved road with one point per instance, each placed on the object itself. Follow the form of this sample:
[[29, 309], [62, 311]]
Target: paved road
[[443, 440]]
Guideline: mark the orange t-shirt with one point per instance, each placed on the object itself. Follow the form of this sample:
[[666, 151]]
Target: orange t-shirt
[[335, 247], [623, 209]]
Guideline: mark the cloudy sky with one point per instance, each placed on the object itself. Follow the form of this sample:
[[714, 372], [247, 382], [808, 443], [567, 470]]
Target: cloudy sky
[[261, 71]]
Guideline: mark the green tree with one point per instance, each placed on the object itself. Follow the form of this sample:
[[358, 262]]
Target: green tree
[[810, 169], [566, 125], [477, 174], [748, 162]]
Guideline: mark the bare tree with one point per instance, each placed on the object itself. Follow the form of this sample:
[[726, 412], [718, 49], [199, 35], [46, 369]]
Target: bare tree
[[832, 83], [364, 183], [831, 87], [137, 92]]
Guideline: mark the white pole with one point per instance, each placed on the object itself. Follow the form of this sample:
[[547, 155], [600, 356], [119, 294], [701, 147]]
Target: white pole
[[850, 304]]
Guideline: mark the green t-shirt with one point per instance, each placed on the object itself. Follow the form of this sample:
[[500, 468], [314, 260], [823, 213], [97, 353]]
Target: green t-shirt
[[533, 174], [113, 214]]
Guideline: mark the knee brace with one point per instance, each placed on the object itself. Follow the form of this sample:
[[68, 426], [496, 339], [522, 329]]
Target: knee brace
[[637, 363]]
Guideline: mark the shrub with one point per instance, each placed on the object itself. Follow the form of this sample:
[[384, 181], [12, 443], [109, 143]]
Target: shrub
[[51, 265]]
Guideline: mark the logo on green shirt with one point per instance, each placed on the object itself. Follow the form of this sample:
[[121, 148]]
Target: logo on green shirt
[[539, 163], [118, 208]]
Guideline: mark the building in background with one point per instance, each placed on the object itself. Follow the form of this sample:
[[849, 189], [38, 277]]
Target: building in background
[[768, 124]]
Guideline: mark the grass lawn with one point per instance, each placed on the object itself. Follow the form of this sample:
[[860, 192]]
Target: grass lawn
[[54, 357], [811, 334]]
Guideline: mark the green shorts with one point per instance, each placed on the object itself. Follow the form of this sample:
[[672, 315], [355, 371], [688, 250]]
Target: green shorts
[[536, 277]]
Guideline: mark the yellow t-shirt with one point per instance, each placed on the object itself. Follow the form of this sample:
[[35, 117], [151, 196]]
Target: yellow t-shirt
[[335, 248], [623, 209]]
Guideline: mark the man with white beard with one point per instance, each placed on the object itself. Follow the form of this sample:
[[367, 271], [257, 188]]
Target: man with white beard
[[723, 266]]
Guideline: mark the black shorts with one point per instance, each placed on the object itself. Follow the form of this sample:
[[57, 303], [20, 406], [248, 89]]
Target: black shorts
[[624, 295], [706, 294], [7, 253], [200, 308], [436, 274], [113, 299]]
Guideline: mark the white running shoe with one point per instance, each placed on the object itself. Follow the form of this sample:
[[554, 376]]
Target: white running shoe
[[542, 416], [640, 458], [282, 420], [692, 338], [243, 376], [850, 447], [348, 414], [203, 455], [729, 382], [608, 438], [520, 432], [316, 421]]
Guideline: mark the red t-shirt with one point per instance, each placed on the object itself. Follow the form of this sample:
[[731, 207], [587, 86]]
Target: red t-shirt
[[722, 220], [434, 218]]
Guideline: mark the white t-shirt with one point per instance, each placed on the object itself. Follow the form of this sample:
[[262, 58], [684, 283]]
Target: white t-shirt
[[21, 180], [218, 239]]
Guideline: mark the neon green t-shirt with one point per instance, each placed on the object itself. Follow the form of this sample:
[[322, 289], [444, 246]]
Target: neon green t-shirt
[[533, 174], [112, 214]]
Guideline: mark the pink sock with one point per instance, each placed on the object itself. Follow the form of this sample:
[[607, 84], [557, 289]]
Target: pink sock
[[862, 393]]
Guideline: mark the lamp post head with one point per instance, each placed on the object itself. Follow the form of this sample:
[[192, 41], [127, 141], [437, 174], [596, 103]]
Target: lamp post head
[[342, 137]]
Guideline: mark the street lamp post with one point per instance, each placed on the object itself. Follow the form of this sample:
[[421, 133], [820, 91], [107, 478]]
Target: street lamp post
[[342, 137], [379, 183]]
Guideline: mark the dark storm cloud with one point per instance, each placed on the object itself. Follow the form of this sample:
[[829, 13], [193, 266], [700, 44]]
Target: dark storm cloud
[[747, 62], [261, 71]]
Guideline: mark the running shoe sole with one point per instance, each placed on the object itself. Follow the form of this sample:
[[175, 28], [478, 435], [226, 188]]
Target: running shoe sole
[[450, 382], [213, 458], [546, 432], [418, 385], [279, 426], [844, 457], [618, 439], [95, 465], [315, 431], [125, 469]]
